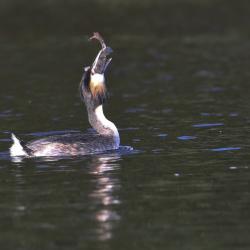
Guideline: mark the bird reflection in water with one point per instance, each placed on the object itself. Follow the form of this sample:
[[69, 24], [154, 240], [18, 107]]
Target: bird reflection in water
[[104, 194]]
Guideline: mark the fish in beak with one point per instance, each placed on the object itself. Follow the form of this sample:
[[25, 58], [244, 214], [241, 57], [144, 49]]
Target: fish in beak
[[101, 61]]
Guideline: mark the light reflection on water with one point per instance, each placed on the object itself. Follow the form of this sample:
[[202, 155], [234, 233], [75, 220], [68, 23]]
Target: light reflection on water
[[103, 193]]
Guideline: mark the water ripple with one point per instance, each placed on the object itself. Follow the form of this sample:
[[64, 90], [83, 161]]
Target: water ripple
[[186, 137], [225, 149], [162, 135], [59, 132], [207, 125]]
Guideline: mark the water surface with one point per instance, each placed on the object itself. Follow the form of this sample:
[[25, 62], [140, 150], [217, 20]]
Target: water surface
[[179, 94]]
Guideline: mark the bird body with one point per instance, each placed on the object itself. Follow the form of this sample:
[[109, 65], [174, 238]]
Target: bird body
[[93, 93]]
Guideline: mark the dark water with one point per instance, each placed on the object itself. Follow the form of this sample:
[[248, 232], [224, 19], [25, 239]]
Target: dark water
[[179, 93]]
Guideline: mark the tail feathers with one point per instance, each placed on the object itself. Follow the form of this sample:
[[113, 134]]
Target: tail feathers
[[17, 149]]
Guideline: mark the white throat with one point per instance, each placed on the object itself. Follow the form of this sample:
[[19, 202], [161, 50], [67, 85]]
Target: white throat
[[97, 79], [107, 124]]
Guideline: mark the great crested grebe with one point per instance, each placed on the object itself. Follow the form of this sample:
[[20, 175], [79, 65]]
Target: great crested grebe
[[93, 93]]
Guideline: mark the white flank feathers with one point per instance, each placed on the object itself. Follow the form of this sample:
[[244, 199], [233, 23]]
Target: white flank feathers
[[16, 149]]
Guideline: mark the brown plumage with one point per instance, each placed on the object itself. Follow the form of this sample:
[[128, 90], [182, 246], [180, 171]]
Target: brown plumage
[[98, 90]]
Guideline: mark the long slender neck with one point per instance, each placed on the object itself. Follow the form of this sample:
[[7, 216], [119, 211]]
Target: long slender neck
[[93, 101], [100, 123]]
